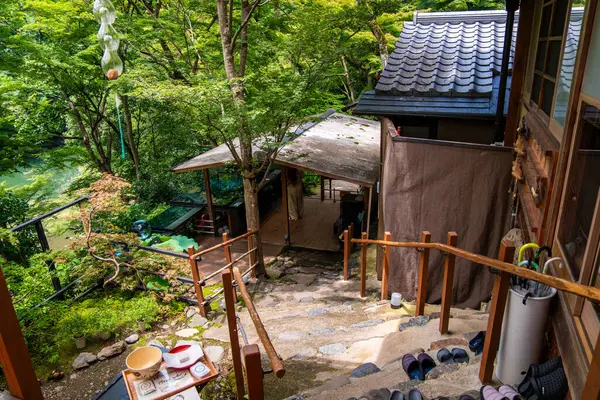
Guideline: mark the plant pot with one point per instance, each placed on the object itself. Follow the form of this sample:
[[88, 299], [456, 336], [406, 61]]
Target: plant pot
[[104, 335], [80, 342], [141, 326]]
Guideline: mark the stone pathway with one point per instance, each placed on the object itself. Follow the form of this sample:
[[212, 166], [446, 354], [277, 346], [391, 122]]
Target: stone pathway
[[336, 345]]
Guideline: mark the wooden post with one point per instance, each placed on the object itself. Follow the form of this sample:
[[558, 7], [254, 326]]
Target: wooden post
[[351, 235], [14, 357], [330, 191], [346, 254], [251, 256], [322, 188], [363, 266], [196, 278], [284, 205], [227, 250], [385, 273], [423, 275], [209, 202], [494, 328], [448, 283], [228, 293], [254, 372], [39, 228], [591, 389]]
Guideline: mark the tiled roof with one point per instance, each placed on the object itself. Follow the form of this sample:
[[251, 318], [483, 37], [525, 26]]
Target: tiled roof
[[571, 44], [447, 53]]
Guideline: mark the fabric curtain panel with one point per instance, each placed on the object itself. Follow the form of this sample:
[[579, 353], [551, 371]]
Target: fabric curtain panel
[[441, 187]]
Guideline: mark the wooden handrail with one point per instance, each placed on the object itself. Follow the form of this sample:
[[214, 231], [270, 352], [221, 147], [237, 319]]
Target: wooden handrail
[[589, 292], [49, 213], [218, 246], [204, 279], [276, 363]]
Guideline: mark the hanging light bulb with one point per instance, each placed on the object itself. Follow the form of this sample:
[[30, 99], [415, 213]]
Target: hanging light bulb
[[111, 64], [104, 11], [108, 37]]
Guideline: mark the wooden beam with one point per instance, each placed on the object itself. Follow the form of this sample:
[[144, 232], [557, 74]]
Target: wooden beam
[[423, 275], [591, 390], [363, 267], [448, 283], [494, 328], [14, 357], [519, 70], [254, 372], [196, 278], [251, 256], [370, 192], [209, 200], [234, 339], [385, 274], [284, 205], [346, 239], [322, 187]]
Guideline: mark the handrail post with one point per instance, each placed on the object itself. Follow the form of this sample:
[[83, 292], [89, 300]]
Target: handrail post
[[363, 266], [448, 283], [351, 235], [228, 292], [196, 278], [346, 254], [251, 257], [494, 328], [254, 372], [227, 250], [423, 275], [385, 273]]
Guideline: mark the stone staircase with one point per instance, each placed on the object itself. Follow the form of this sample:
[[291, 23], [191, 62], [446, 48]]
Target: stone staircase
[[336, 345]]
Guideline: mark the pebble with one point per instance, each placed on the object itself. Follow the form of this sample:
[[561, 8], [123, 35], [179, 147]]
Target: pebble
[[317, 311], [132, 338], [332, 349], [196, 321], [191, 312]]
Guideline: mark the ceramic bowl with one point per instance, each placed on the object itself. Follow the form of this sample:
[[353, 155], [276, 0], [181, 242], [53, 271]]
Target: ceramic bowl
[[144, 362]]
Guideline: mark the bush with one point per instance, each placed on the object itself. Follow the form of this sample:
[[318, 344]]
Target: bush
[[74, 324], [144, 309]]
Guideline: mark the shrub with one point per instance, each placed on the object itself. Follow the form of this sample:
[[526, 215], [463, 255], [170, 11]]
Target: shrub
[[143, 308]]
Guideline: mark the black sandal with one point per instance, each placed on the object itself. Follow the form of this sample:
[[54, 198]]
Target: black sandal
[[552, 386]]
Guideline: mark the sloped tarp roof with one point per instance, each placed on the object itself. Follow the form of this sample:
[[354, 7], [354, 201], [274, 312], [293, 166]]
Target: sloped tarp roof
[[338, 146]]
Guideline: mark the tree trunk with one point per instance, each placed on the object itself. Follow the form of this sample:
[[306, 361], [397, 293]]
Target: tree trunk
[[253, 218], [130, 139], [381, 41], [348, 80]]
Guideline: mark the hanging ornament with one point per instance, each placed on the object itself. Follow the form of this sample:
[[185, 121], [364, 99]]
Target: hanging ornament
[[108, 37], [111, 64], [104, 11]]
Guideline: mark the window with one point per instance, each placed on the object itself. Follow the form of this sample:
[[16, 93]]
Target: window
[[554, 13]]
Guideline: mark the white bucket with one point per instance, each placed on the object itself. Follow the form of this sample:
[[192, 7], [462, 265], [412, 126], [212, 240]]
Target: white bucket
[[522, 337]]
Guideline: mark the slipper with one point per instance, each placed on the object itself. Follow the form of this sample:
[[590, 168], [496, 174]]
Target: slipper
[[510, 393], [538, 370], [427, 363], [489, 393], [444, 356], [379, 394], [548, 387], [412, 367], [415, 394], [476, 344], [397, 395], [465, 397], [460, 356]]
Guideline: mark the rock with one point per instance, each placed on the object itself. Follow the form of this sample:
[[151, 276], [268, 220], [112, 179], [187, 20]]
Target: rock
[[186, 333], [268, 301], [349, 303], [304, 353], [294, 397], [221, 334], [438, 344], [165, 326], [305, 299], [289, 336], [275, 272], [434, 315], [441, 370], [317, 311], [364, 370], [333, 384], [365, 324], [132, 338], [112, 350], [332, 349], [322, 331], [416, 321], [309, 270], [379, 394], [83, 360], [382, 302], [191, 311], [214, 353], [196, 321], [303, 279]]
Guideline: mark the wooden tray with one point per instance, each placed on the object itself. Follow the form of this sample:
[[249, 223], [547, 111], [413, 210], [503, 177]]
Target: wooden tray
[[131, 379]]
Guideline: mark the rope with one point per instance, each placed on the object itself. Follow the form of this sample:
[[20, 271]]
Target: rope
[[117, 102]]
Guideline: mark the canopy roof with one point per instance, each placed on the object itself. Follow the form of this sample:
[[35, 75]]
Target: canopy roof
[[337, 146]]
